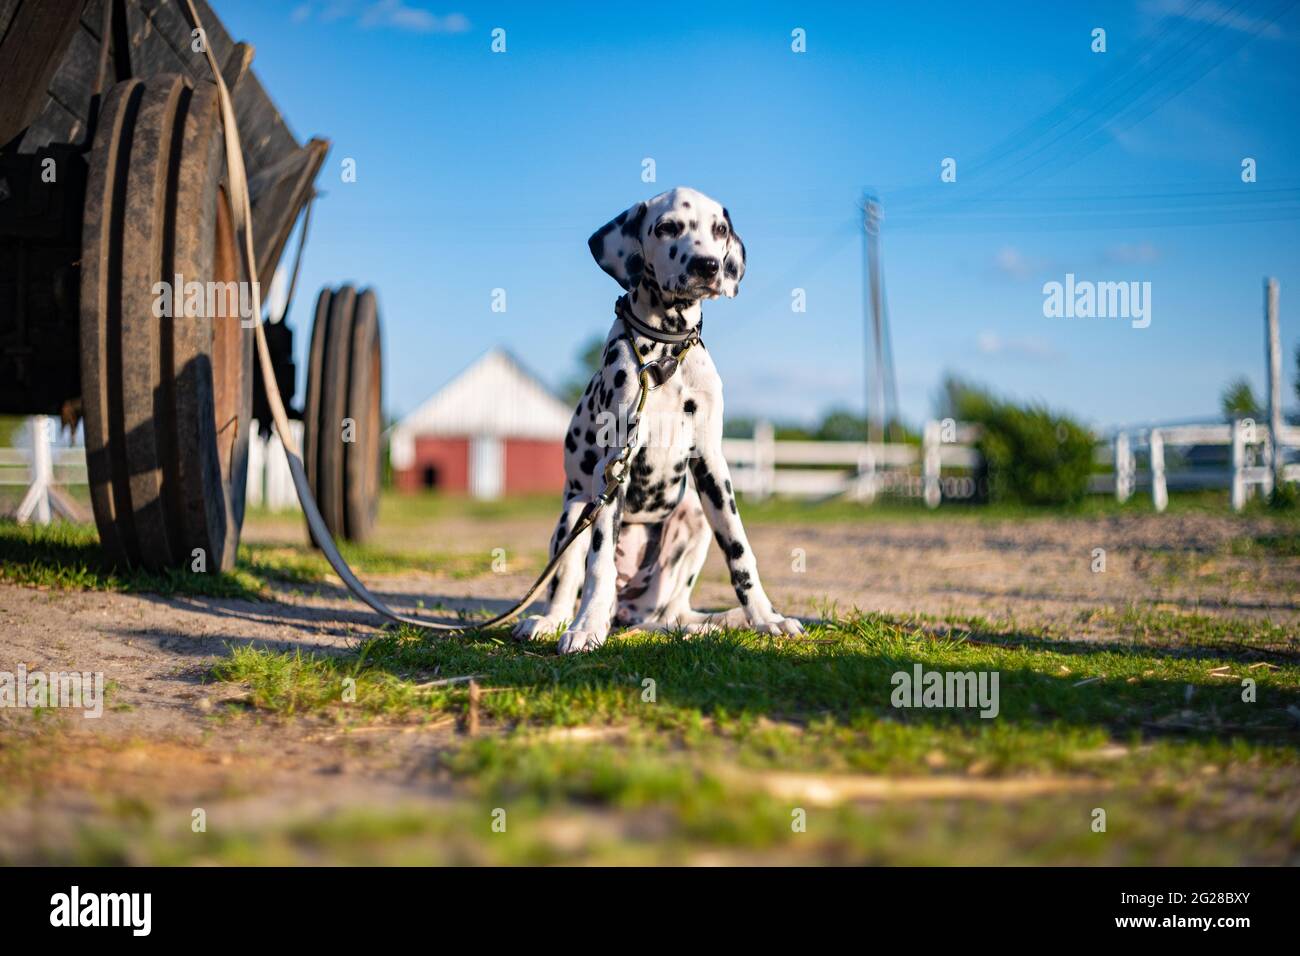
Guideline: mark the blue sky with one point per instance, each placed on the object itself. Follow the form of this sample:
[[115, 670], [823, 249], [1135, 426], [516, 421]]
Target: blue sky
[[479, 170]]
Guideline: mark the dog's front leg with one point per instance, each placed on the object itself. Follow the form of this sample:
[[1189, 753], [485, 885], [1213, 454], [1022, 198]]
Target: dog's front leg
[[600, 593], [713, 482]]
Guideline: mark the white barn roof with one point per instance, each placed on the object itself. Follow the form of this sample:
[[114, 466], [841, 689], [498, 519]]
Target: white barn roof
[[495, 396]]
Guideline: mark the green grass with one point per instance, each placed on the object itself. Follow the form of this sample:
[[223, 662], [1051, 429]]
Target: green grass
[[1267, 546], [823, 702], [1189, 633], [1164, 742], [1093, 506], [67, 556], [1175, 633], [637, 815]]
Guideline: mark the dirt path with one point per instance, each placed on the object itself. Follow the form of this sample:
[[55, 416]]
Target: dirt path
[[161, 735]]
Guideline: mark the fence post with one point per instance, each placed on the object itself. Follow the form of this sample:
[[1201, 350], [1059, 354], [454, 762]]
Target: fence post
[[1273, 350], [1238, 464], [1159, 489], [764, 459], [37, 500], [931, 463], [865, 486], [1124, 469], [256, 466], [1268, 456]]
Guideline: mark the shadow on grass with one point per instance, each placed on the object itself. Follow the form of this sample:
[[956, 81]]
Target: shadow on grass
[[64, 555], [843, 675]]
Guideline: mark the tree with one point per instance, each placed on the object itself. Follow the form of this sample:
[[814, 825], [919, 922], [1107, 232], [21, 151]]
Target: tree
[[1028, 453], [589, 358], [1238, 400]]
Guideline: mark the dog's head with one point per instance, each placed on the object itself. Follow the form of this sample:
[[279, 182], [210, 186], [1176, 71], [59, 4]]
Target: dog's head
[[681, 241]]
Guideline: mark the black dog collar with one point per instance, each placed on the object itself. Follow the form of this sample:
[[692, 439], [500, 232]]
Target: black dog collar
[[633, 324]]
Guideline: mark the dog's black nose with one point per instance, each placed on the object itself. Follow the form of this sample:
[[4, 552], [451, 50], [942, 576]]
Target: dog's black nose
[[706, 267]]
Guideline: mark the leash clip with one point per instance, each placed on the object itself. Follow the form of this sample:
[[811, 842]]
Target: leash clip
[[653, 374]]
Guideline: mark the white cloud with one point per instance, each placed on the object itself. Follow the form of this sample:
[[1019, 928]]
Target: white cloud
[[990, 343], [393, 14], [1127, 253], [1012, 262], [397, 14]]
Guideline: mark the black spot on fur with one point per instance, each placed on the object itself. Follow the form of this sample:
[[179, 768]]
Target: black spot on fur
[[632, 226], [737, 551], [635, 266], [620, 377], [569, 443], [707, 485], [689, 408], [597, 539], [588, 463]]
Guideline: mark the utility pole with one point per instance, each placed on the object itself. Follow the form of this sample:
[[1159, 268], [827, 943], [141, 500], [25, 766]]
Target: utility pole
[[880, 390], [874, 346]]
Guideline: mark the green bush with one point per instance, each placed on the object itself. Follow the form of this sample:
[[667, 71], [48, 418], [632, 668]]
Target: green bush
[[1031, 455]]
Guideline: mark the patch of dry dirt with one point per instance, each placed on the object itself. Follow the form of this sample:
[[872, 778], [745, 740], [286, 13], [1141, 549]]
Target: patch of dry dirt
[[163, 741]]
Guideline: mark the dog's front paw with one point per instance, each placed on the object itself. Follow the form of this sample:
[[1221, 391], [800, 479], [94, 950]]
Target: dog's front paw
[[537, 626], [776, 624], [573, 640]]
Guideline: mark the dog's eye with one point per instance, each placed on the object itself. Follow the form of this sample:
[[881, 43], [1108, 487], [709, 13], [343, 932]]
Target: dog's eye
[[720, 230], [667, 229]]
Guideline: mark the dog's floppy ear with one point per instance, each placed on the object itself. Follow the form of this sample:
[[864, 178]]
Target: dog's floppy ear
[[733, 261], [616, 246]]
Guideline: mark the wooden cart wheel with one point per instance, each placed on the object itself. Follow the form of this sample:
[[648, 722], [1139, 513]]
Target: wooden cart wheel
[[342, 440], [167, 386]]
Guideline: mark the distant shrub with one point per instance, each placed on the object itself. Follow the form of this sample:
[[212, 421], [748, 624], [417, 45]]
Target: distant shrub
[[1031, 454]]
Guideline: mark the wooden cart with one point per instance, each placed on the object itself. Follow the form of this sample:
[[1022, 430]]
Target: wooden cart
[[120, 277]]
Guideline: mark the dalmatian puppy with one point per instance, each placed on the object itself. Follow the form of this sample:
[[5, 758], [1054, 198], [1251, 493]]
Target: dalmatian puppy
[[636, 565]]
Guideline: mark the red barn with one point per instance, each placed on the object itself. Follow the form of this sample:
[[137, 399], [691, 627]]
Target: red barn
[[494, 429]]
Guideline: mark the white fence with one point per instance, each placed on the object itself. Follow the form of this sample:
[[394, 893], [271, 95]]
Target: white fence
[[43, 466], [763, 466], [1249, 469], [270, 483]]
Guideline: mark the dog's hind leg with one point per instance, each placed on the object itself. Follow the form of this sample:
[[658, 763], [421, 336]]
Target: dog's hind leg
[[565, 585], [685, 547]]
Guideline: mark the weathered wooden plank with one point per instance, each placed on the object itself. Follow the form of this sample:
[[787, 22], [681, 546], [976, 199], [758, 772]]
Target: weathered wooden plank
[[276, 207], [8, 8], [262, 130], [74, 82], [151, 53], [92, 15], [31, 52], [55, 124], [219, 41], [170, 21]]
